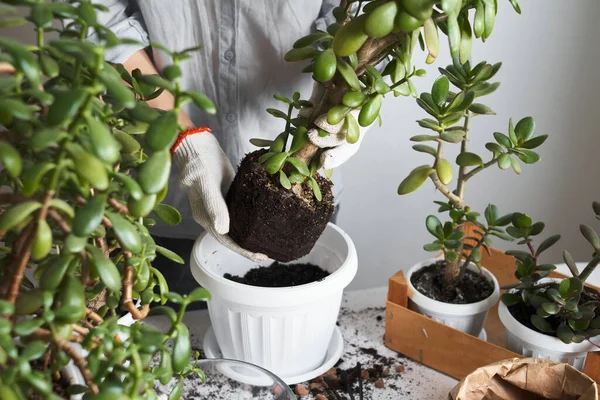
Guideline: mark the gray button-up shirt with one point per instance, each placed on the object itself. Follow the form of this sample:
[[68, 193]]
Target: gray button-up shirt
[[240, 66]]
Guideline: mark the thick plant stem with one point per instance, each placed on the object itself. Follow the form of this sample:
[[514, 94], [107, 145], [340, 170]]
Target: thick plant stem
[[455, 269], [452, 271], [456, 201], [460, 188], [91, 314], [21, 252], [60, 221], [127, 296], [20, 255], [78, 360], [370, 53], [470, 257]]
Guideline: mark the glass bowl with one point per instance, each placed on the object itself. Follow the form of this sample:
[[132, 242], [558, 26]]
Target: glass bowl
[[231, 379]]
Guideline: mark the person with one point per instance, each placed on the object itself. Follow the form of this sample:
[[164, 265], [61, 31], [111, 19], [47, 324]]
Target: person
[[240, 67]]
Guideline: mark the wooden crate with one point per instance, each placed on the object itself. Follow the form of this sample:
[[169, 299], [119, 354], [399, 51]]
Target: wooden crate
[[448, 350]]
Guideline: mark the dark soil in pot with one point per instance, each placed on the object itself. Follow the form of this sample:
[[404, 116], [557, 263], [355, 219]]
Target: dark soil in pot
[[59, 386], [522, 312], [472, 288], [281, 275], [269, 219]]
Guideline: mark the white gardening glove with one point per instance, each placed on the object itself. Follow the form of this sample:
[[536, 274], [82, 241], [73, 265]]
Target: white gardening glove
[[338, 149], [205, 174]]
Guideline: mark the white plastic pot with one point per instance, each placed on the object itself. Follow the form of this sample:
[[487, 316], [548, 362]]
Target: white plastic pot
[[468, 318], [284, 330], [523, 340]]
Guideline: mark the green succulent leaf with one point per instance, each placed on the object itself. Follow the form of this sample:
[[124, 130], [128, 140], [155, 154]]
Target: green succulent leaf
[[478, 108], [503, 140], [162, 131], [352, 129], [415, 179], [541, 324], [510, 299], [423, 138], [547, 243], [202, 102], [433, 247], [551, 308], [24, 60], [299, 165], [452, 136], [504, 161], [580, 325], [167, 214], [440, 90], [534, 142], [528, 156], [423, 148], [275, 163], [467, 159], [198, 294], [591, 236], [433, 225], [348, 74], [105, 268], [524, 129], [154, 173], [315, 188]]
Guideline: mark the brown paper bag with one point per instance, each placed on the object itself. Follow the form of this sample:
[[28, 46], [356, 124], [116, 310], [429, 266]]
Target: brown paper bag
[[525, 379]]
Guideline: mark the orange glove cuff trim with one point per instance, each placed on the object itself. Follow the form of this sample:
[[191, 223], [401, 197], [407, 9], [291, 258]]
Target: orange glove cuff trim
[[187, 133]]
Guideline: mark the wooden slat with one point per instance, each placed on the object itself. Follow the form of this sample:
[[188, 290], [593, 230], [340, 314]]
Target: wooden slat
[[438, 346], [398, 290], [592, 366]]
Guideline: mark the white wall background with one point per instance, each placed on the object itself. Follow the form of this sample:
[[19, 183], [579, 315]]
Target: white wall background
[[550, 55]]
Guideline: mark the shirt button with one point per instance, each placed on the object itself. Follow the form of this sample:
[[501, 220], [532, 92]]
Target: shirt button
[[230, 117], [229, 55]]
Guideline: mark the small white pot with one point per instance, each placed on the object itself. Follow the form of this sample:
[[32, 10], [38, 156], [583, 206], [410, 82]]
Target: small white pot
[[468, 318], [529, 343], [285, 330]]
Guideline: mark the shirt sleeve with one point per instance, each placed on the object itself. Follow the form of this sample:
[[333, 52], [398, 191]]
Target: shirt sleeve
[[126, 23], [326, 17]]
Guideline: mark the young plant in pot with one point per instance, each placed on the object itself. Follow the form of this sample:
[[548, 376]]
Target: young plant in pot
[[85, 163], [279, 204], [456, 290], [557, 319]]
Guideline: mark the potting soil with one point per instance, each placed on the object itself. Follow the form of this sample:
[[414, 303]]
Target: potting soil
[[281, 275], [473, 287]]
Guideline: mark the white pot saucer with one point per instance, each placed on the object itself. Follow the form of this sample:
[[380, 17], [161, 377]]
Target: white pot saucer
[[334, 352]]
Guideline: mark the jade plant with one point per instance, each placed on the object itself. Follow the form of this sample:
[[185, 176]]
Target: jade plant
[[344, 58], [452, 112], [564, 308], [85, 167], [345, 61]]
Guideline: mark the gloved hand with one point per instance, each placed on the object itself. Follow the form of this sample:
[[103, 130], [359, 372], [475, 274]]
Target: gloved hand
[[205, 174], [338, 149]]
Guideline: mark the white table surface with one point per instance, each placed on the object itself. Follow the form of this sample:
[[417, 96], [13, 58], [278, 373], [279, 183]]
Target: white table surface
[[361, 329]]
